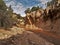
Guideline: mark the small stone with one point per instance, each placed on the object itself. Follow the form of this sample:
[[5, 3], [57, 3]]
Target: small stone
[[6, 36]]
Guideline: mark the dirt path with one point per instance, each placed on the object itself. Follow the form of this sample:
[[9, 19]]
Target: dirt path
[[30, 37], [54, 38], [27, 38]]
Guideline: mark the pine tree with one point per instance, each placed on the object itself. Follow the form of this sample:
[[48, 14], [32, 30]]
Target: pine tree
[[6, 13]]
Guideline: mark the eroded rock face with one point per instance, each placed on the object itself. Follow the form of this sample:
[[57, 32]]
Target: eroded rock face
[[27, 38]]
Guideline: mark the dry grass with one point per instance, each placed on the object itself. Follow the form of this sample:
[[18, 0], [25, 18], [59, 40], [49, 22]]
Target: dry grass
[[8, 33]]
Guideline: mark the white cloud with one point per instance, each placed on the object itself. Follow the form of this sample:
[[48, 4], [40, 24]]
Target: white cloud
[[19, 7], [44, 1]]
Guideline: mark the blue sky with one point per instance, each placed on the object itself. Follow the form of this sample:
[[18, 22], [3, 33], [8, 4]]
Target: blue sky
[[19, 6]]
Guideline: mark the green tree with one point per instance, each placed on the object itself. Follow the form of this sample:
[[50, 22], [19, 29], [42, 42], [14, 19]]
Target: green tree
[[33, 9], [2, 5], [27, 10], [19, 16], [6, 19]]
